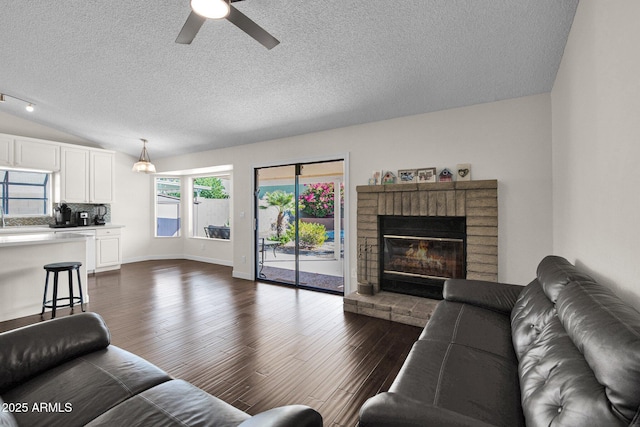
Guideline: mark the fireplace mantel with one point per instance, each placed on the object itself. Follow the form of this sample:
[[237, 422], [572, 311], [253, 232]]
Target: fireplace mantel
[[475, 200]]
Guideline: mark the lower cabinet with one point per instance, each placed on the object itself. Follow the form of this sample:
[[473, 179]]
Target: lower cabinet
[[108, 249]]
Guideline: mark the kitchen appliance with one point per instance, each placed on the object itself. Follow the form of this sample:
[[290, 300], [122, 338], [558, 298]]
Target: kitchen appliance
[[90, 247], [101, 212], [82, 218], [62, 216]]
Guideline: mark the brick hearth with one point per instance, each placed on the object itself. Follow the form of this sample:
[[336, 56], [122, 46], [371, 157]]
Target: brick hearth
[[475, 200]]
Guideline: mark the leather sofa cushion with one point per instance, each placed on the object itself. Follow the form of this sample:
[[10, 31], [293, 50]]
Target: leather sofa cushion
[[459, 324], [558, 386], [531, 313], [173, 403], [472, 382], [607, 333], [490, 295], [554, 273], [90, 384], [26, 352]]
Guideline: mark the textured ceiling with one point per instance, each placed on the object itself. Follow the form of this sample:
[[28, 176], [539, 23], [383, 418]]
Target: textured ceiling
[[110, 71]]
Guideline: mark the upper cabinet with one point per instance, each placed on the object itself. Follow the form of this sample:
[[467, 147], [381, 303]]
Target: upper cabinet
[[101, 177], [87, 175], [6, 151], [74, 175], [36, 154], [29, 153]]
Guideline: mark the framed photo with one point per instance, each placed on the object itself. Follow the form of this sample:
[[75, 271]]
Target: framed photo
[[464, 172], [407, 175], [427, 175]]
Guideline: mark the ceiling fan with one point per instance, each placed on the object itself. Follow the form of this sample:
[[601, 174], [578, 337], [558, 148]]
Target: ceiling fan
[[218, 9]]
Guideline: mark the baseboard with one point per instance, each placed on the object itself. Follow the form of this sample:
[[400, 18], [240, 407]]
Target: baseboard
[[179, 256], [152, 258], [242, 275], [209, 260]]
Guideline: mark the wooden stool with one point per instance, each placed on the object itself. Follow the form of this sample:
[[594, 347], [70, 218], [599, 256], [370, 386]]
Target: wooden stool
[[53, 303]]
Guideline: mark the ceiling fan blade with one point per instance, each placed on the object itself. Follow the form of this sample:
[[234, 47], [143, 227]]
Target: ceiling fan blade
[[241, 21], [190, 28]]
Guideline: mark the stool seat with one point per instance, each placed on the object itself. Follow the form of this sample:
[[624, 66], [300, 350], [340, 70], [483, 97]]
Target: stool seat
[[62, 266], [55, 268]]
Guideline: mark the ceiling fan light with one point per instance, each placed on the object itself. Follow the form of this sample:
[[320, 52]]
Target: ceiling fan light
[[214, 9]]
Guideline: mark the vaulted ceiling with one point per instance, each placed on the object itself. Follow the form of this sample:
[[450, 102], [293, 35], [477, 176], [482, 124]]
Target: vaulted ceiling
[[111, 72]]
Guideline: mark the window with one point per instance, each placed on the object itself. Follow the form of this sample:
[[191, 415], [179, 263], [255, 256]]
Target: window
[[211, 206], [25, 193], [168, 192]]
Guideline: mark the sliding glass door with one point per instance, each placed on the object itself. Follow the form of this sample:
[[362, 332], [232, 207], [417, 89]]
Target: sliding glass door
[[299, 225]]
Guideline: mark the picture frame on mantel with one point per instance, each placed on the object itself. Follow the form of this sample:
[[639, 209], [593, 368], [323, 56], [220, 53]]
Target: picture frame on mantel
[[464, 172], [406, 176], [427, 175]]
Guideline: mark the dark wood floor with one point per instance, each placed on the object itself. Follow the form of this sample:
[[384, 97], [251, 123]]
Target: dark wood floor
[[251, 344]]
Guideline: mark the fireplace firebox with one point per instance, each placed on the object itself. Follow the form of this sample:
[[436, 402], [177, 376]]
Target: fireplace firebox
[[420, 253]]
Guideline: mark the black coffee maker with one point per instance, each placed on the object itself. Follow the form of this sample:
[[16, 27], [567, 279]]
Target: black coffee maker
[[62, 216]]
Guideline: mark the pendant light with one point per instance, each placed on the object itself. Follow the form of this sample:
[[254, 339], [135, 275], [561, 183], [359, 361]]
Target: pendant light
[[144, 162]]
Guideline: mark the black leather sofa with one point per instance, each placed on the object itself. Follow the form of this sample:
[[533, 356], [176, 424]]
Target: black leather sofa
[[562, 351], [64, 372]]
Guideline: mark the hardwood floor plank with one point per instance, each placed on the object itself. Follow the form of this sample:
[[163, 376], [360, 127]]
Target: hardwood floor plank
[[252, 344]]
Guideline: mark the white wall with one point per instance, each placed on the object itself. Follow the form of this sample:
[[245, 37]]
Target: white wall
[[596, 145], [18, 126], [508, 140]]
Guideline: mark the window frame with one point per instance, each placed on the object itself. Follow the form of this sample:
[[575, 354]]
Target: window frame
[[5, 197], [191, 211], [179, 233]]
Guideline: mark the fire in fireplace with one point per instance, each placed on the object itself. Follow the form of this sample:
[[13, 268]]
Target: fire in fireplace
[[420, 253], [427, 257]]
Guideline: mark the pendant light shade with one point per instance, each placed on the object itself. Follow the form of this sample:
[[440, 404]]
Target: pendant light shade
[[144, 162]]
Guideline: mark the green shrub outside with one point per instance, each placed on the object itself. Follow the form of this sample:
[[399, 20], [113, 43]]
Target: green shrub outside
[[311, 234]]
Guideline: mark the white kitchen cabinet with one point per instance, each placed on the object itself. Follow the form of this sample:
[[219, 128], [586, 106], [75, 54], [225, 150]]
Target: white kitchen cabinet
[[86, 175], [101, 177], [36, 154], [108, 249], [6, 151], [74, 175]]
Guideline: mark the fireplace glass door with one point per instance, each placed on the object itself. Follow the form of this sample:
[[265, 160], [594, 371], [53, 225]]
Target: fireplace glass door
[[426, 257]]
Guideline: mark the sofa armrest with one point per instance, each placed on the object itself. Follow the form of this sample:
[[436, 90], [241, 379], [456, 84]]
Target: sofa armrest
[[394, 410], [495, 296], [28, 351], [285, 416]]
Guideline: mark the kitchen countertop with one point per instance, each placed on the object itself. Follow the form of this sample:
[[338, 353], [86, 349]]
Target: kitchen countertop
[[37, 239], [30, 229]]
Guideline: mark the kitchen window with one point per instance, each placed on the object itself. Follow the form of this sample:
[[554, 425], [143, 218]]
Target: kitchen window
[[211, 206], [25, 193], [168, 196]]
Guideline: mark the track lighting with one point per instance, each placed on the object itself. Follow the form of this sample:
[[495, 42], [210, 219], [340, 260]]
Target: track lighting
[[144, 163], [29, 107]]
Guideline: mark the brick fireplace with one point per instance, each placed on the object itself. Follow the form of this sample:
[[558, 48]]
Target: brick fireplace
[[476, 201]]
